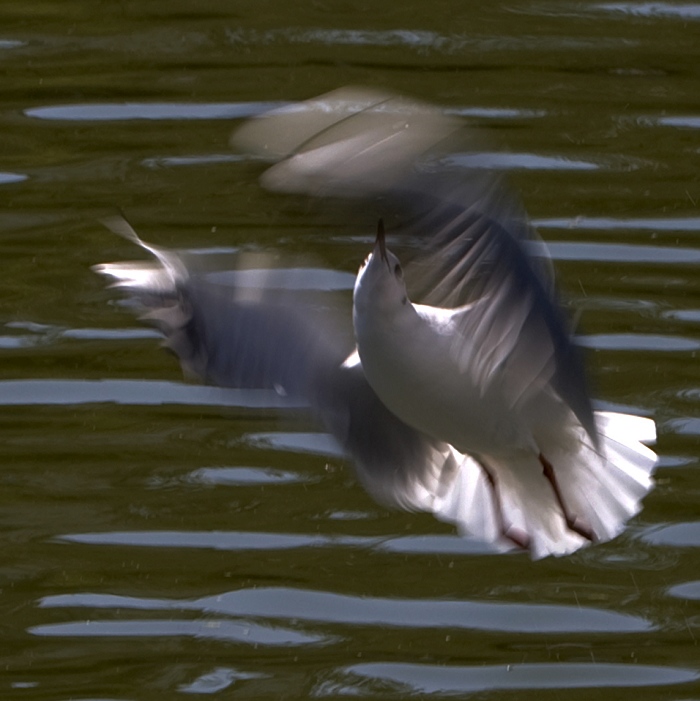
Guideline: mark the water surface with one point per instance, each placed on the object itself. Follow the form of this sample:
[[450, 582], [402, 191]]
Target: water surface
[[161, 539]]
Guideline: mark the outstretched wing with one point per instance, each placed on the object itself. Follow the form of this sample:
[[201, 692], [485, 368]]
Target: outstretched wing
[[471, 235], [259, 336]]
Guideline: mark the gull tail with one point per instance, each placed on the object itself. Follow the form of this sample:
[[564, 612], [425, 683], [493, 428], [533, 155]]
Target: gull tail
[[600, 487]]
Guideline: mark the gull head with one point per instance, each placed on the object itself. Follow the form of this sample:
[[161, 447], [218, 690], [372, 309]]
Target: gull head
[[380, 284]]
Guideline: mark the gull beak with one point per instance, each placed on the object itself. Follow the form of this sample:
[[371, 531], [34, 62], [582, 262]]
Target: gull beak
[[380, 242]]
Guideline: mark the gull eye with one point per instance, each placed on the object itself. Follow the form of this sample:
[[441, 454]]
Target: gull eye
[[397, 271]]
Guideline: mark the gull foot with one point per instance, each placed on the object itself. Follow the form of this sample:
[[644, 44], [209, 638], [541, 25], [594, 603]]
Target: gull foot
[[573, 523], [515, 535]]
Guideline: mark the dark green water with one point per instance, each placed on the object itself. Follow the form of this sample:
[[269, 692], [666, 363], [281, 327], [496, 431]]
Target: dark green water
[[158, 540]]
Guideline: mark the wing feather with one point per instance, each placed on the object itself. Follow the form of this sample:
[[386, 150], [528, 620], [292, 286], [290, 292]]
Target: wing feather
[[470, 231], [231, 337]]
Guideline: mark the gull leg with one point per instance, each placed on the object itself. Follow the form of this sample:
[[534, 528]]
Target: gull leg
[[571, 521], [514, 535]]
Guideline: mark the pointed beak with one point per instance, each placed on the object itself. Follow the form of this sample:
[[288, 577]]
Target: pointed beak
[[380, 242]]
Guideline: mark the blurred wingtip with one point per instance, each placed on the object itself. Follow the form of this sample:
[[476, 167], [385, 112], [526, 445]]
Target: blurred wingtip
[[118, 224], [349, 142], [301, 121], [140, 274]]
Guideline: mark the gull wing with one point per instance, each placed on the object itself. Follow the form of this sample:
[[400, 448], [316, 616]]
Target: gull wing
[[473, 247], [510, 326], [260, 337], [404, 156], [372, 134]]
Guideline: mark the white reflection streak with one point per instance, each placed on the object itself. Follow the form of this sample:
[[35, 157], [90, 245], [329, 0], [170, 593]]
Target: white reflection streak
[[322, 607], [249, 633], [135, 393], [653, 9], [443, 680]]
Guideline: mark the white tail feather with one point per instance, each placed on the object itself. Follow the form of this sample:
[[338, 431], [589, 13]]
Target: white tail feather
[[469, 504], [602, 488]]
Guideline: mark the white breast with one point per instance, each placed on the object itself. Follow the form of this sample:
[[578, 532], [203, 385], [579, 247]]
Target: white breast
[[408, 358]]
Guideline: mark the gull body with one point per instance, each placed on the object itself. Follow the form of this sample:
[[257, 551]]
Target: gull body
[[553, 486], [411, 354]]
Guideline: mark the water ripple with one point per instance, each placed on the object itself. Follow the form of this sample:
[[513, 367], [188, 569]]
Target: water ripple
[[677, 535], [638, 341], [517, 161], [683, 122], [331, 608], [627, 224], [7, 178], [134, 392], [11, 44], [684, 426], [244, 476], [109, 334], [690, 315], [297, 442], [232, 631], [654, 10], [151, 110], [217, 680], [420, 41], [216, 540], [623, 253], [286, 278], [440, 545], [205, 159], [100, 112], [496, 112], [687, 590], [402, 678]]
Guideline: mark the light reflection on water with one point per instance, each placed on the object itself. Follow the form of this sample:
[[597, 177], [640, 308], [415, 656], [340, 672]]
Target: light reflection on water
[[6, 178], [395, 679], [133, 392], [216, 540], [151, 111], [324, 607], [684, 11], [216, 629], [414, 41], [678, 535], [690, 122], [243, 476], [627, 224], [227, 110]]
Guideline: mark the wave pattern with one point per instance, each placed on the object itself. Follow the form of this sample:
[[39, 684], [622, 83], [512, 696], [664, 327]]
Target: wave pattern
[[161, 538]]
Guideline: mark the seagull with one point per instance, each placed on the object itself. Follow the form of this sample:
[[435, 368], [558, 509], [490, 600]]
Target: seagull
[[472, 405]]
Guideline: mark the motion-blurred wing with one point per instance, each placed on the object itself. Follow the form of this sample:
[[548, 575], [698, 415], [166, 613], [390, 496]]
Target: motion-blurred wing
[[469, 228], [371, 134], [230, 334], [258, 337], [405, 156], [511, 328], [386, 150]]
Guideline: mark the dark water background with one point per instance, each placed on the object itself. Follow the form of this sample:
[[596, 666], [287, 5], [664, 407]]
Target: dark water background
[[159, 540]]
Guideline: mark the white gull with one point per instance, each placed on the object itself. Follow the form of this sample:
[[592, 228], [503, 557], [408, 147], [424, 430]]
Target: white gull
[[473, 407]]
